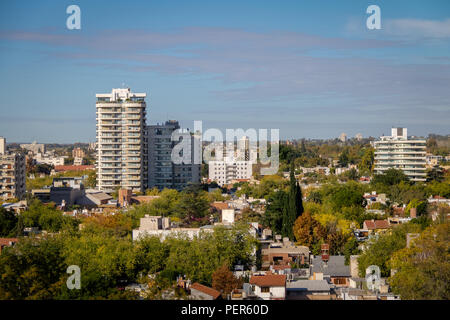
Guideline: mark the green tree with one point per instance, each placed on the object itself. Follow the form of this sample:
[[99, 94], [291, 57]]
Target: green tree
[[379, 251], [8, 223], [423, 270], [367, 161], [390, 177], [293, 206], [273, 217]]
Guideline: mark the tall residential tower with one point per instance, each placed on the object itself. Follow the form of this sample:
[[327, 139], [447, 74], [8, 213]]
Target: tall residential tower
[[162, 171], [401, 152], [121, 141], [12, 173]]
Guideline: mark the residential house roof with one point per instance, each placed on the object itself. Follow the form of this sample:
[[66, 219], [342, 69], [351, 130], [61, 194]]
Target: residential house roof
[[220, 205], [308, 285], [269, 280], [206, 290], [335, 267], [7, 241], [376, 224]]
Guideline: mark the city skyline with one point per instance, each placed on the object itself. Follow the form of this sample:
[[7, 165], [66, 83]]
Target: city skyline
[[309, 69]]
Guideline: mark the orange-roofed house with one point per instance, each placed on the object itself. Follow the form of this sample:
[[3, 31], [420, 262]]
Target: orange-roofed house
[[219, 206], [269, 286], [374, 226], [7, 242], [201, 292]]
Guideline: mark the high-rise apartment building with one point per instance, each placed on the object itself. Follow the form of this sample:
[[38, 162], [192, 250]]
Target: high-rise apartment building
[[235, 166], [162, 171], [121, 142], [401, 152], [78, 153], [12, 173]]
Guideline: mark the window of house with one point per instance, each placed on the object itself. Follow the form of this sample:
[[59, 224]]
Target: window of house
[[265, 289], [339, 281]]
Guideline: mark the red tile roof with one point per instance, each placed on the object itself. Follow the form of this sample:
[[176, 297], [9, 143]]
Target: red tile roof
[[376, 224], [74, 168], [207, 290], [220, 205], [6, 241], [269, 280]]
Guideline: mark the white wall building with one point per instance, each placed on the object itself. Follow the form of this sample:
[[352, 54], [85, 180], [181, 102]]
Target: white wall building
[[224, 172], [12, 173], [121, 141], [401, 152], [269, 286]]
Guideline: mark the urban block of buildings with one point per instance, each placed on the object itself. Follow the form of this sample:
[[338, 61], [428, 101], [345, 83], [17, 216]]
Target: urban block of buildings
[[135, 156]]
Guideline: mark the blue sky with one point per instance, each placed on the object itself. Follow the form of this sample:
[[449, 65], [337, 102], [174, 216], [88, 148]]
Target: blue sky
[[309, 68]]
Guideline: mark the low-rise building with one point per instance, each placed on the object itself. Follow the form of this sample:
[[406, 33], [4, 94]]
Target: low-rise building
[[333, 268], [201, 292], [161, 227], [268, 286], [375, 226], [308, 290], [7, 242], [283, 253]]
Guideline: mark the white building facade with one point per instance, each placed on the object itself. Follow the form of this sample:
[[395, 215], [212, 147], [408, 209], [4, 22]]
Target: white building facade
[[12, 173], [121, 140], [399, 151]]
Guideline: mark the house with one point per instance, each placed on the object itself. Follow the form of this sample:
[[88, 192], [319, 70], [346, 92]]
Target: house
[[7, 242], [161, 227], [374, 226], [283, 253], [201, 292], [438, 199], [17, 207], [308, 290], [373, 197], [66, 190], [332, 268], [268, 286]]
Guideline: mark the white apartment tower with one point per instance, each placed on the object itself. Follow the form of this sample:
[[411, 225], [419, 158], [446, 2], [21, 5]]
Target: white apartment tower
[[401, 152], [234, 166], [12, 173], [121, 140]]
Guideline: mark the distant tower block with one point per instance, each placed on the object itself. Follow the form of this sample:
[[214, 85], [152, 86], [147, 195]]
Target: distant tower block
[[358, 136], [343, 137]]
